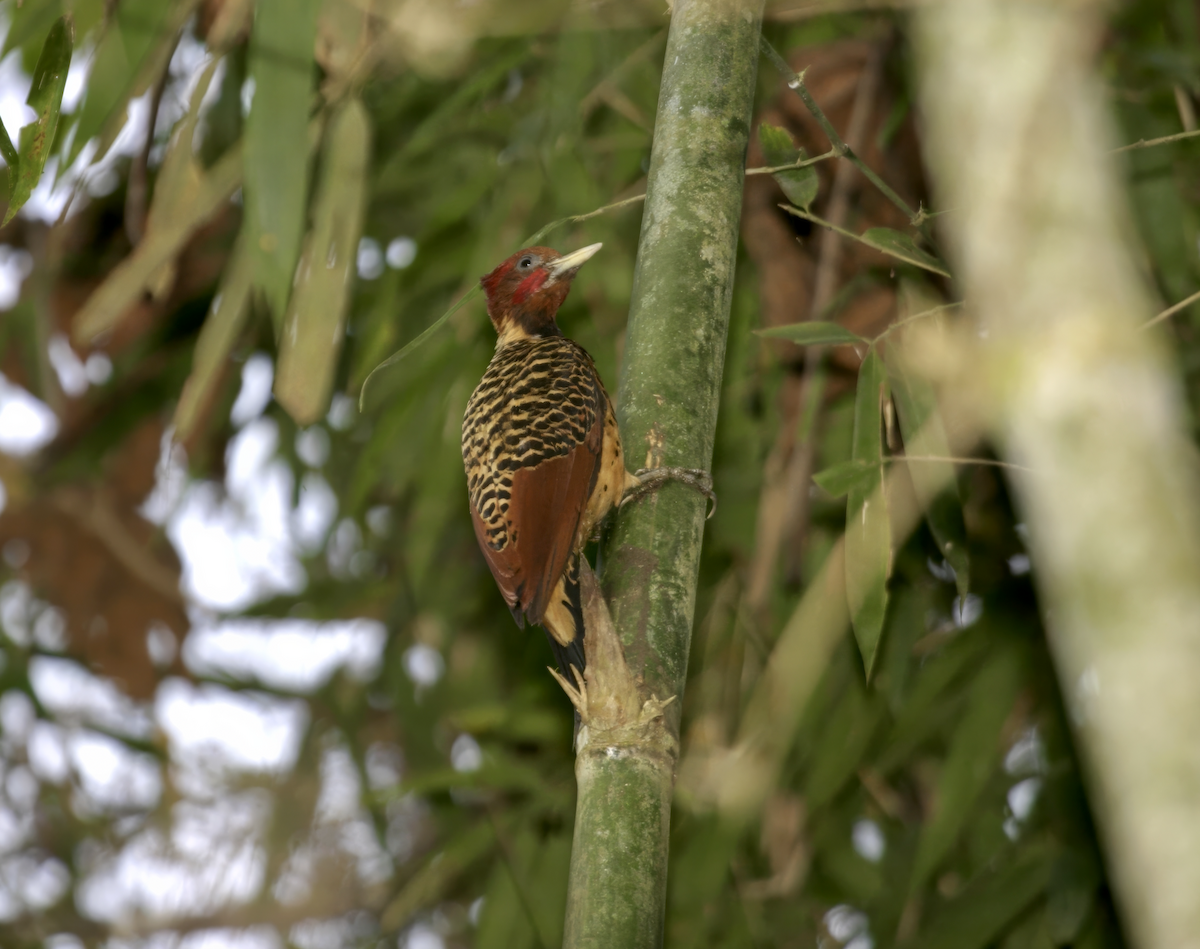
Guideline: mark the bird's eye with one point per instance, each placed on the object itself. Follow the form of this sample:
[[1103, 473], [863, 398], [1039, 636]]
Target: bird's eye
[[525, 263]]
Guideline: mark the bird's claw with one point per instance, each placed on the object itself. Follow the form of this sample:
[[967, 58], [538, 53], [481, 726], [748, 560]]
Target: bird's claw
[[652, 478]]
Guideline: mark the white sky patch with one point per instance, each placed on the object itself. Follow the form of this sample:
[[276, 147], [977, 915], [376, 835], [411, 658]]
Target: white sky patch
[[77, 74], [465, 754], [237, 546], [869, 840], [401, 252], [292, 654], [14, 89], [111, 774], [316, 509], [258, 375], [26, 423], [77, 696], [370, 258], [70, 369], [244, 730], [423, 664], [422, 936], [342, 412], [15, 265], [212, 858]]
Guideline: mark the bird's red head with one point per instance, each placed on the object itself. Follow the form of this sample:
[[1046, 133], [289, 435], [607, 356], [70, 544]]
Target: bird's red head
[[525, 292]]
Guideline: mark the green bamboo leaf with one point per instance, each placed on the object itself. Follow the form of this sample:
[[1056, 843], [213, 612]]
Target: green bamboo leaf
[[868, 532], [935, 699], [934, 482], [903, 247], [281, 65], [226, 319], [28, 21], [882, 239], [973, 757], [180, 178], [180, 183], [800, 185], [439, 873], [1072, 894], [314, 325], [109, 303], [840, 479], [855, 718], [9, 151], [132, 52], [45, 98], [814, 333], [991, 903]]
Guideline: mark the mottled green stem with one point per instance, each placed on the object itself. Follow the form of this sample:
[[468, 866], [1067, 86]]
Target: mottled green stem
[[669, 392], [1019, 138]]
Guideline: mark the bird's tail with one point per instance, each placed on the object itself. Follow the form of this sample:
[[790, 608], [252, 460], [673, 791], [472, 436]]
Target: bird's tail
[[564, 621]]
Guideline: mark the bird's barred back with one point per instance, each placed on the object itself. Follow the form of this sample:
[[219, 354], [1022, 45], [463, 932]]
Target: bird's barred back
[[537, 400]]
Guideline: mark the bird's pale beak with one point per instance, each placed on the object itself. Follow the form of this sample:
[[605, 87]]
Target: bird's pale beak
[[569, 263]]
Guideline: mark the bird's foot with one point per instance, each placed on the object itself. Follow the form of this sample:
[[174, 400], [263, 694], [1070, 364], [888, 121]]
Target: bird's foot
[[577, 693], [651, 479]]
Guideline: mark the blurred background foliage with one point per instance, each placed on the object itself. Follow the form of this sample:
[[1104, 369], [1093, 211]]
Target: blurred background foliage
[[182, 762]]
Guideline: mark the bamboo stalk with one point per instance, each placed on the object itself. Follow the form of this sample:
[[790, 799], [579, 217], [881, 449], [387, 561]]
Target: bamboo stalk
[[668, 398], [1018, 137]]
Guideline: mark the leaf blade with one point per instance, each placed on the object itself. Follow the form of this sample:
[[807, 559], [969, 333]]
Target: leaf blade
[[226, 318], [903, 247], [972, 758], [814, 333], [800, 184], [868, 531], [45, 98], [314, 325], [847, 476], [276, 187]]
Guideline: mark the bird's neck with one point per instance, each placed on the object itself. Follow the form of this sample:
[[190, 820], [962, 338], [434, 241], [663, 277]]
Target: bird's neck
[[521, 325]]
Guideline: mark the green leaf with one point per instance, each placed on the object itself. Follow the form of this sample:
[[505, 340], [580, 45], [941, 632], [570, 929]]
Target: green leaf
[[868, 531], [223, 326], [45, 98], [903, 247], [973, 757], [800, 185], [814, 333], [277, 159], [109, 302], [9, 151], [429, 884], [1072, 894], [845, 477], [855, 719], [180, 178], [133, 50], [934, 482], [314, 326], [988, 905]]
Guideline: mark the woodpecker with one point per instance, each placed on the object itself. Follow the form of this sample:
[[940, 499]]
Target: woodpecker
[[542, 451]]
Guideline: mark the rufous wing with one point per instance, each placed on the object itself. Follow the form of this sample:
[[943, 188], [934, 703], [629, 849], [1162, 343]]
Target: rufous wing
[[543, 517]]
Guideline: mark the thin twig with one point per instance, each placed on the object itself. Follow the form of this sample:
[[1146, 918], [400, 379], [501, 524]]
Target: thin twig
[[798, 163], [796, 83], [1165, 140], [959, 461], [135, 194], [1171, 310], [808, 216], [916, 316]]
